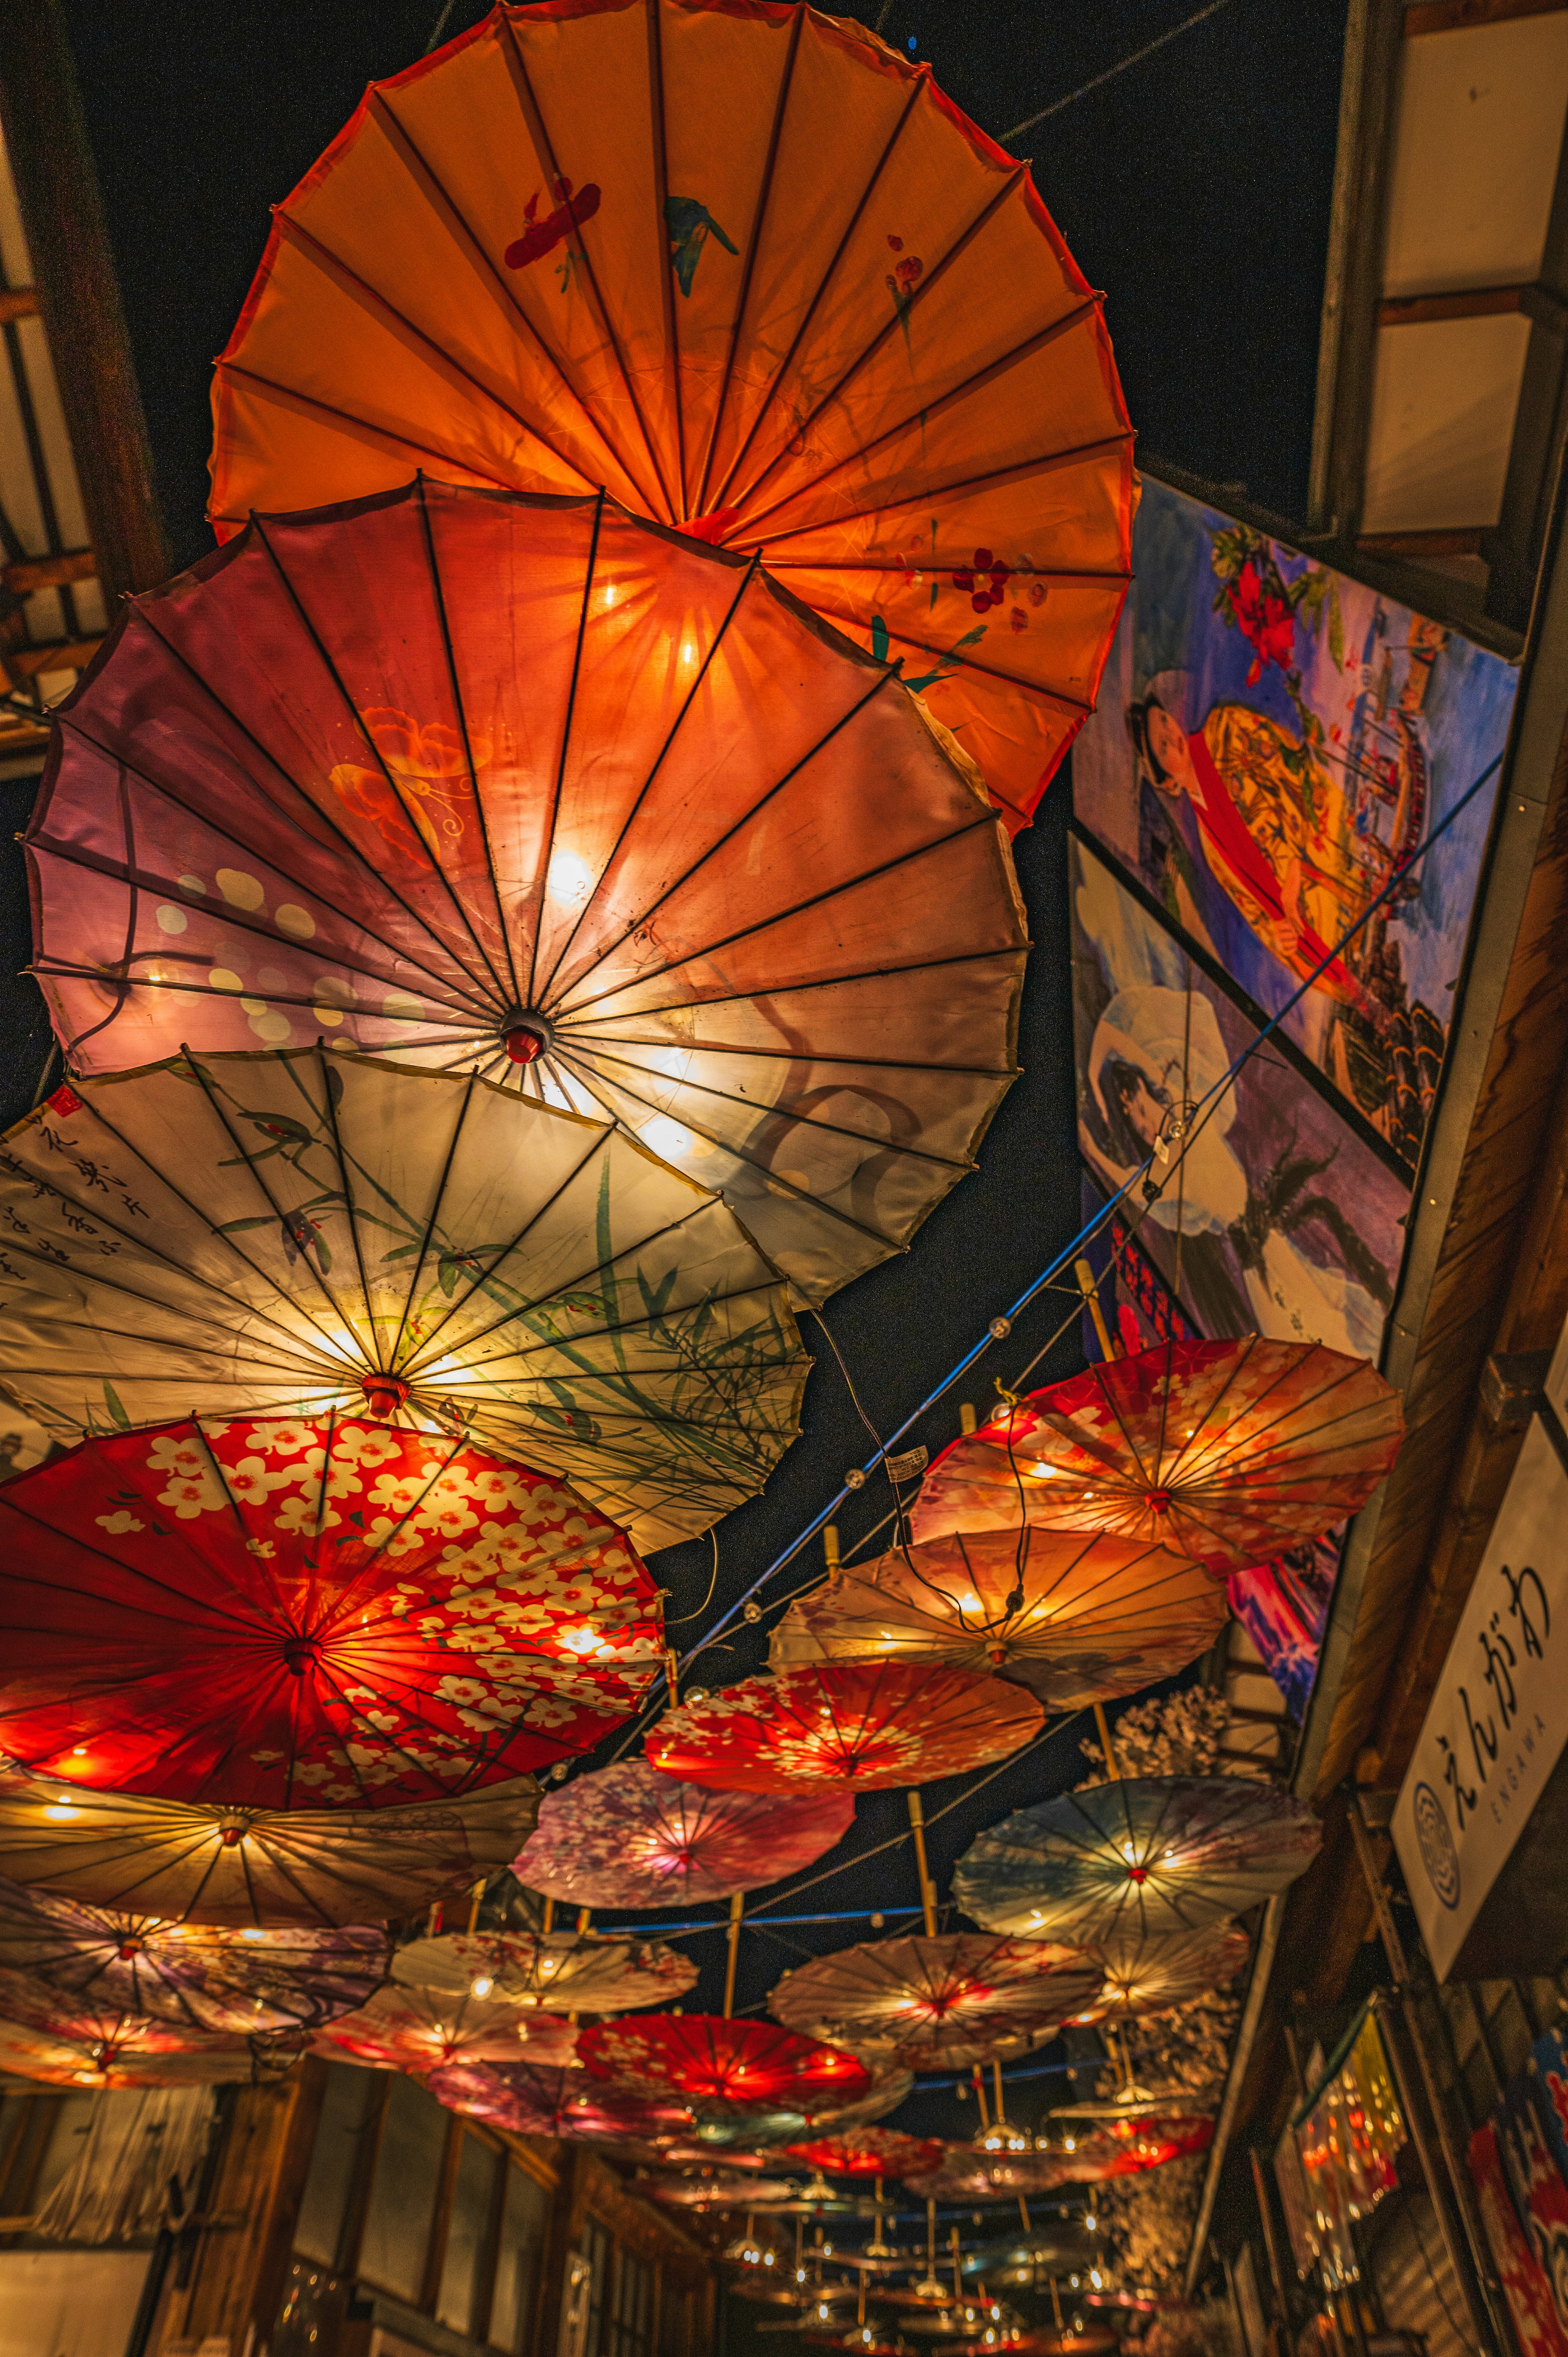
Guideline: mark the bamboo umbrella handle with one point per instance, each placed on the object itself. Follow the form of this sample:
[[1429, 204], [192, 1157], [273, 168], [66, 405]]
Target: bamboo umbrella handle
[[928, 1888], [1088, 1284], [736, 1910], [1102, 1728]]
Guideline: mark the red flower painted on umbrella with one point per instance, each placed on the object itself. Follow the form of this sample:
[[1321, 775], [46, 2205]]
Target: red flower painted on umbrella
[[541, 237], [986, 580]]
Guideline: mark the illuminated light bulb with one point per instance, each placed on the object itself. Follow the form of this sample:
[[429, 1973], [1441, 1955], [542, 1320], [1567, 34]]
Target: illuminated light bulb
[[58, 1811], [581, 1640], [483, 1986], [252, 1932]]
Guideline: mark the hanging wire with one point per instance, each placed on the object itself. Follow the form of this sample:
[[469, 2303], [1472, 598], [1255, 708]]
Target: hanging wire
[[714, 1536], [1137, 56]]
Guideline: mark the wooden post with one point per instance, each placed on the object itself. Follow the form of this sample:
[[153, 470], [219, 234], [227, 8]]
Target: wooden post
[[1056, 2304], [1023, 2213], [474, 1908], [584, 1917], [1089, 1289], [736, 1910], [928, 1888]]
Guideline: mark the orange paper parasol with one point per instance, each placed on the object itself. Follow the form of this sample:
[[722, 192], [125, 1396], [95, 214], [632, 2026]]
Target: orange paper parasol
[[404, 2029], [1075, 1620], [567, 1971], [709, 2057], [628, 1836], [874, 1724], [535, 791], [194, 1862], [937, 2003], [1145, 1972], [1227, 1452], [284, 1611], [770, 285]]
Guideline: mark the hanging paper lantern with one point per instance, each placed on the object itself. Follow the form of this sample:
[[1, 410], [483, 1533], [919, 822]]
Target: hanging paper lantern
[[874, 1724], [199, 1863], [538, 791], [626, 1835], [279, 1611], [1076, 1620], [702, 2055], [1151, 1854], [940, 2003], [886, 377], [230, 1983], [304, 1233], [567, 1971], [1227, 1452]]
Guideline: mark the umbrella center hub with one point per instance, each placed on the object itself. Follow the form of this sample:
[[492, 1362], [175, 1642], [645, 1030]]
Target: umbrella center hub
[[1159, 1501], [129, 1948], [232, 1834], [384, 1395], [526, 1034], [301, 1653], [1137, 1874]]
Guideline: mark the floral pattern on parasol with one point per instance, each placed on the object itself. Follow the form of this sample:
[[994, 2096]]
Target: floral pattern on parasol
[[1075, 1620], [1153, 1854], [416, 2029], [629, 1836], [568, 1971], [229, 1984], [280, 1612], [869, 2152], [706, 2056], [73, 2040], [299, 1232], [1227, 1452], [591, 810], [191, 1862], [937, 2003], [774, 289], [876, 1724], [542, 2101]]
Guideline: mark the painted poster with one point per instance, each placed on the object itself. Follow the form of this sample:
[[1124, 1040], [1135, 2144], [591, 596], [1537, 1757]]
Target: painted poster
[[1284, 1220], [1135, 1299], [1525, 2286], [1283, 1607], [1527, 2148], [1272, 741]]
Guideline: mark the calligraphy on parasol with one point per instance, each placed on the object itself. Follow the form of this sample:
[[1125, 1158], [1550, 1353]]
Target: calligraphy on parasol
[[569, 1972], [403, 2029], [232, 1984], [546, 2101], [299, 1232], [888, 379], [1076, 1620], [710, 2057], [1227, 1452], [869, 2152], [282, 1611], [937, 2003], [201, 1863], [874, 1724], [1152, 1854], [1145, 1972], [629, 1836], [536, 791]]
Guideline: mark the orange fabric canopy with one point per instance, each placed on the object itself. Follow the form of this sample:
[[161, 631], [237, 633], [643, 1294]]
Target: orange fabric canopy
[[744, 268]]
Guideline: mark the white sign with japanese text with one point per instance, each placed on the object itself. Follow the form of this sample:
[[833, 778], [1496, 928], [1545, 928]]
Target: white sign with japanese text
[[1498, 1718]]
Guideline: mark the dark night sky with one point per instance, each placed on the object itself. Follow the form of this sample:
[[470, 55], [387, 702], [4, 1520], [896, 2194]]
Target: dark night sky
[[1194, 190]]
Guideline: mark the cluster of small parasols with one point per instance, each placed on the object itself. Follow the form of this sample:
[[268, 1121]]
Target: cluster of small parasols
[[509, 952]]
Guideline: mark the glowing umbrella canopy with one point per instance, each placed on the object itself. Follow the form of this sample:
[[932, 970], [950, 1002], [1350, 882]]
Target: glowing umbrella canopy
[[68, 2039], [1098, 2151], [1076, 1620], [200, 1863], [545, 2101], [1145, 1972], [1065, 2244], [1227, 1452], [935, 2003], [982, 2172], [569, 1972], [874, 1724], [716, 2190], [539, 791], [1153, 1854], [869, 2152], [232, 1984], [629, 1836], [300, 1231], [730, 2061], [890, 379], [416, 2029], [282, 1611]]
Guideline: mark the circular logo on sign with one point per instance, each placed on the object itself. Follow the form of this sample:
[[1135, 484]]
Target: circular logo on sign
[[1438, 1854]]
